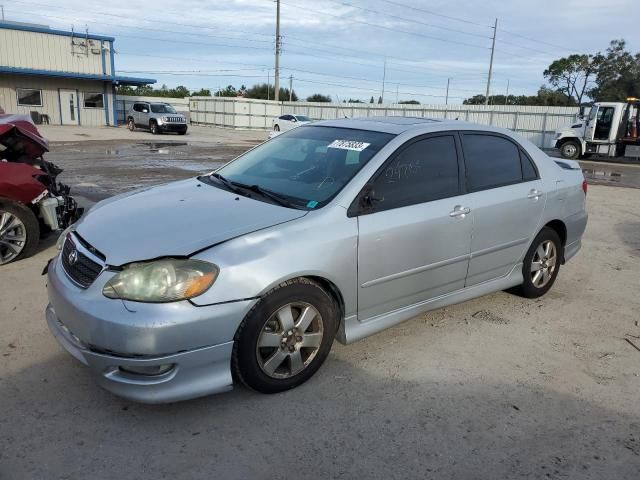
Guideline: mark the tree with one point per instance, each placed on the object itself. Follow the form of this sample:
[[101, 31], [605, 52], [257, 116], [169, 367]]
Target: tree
[[573, 75], [203, 92], [545, 96], [409, 102], [264, 91], [353, 100], [318, 97], [229, 91], [618, 75], [371, 101], [379, 99]]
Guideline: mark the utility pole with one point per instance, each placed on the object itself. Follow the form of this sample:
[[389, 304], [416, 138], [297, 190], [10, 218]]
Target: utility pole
[[384, 77], [446, 98], [397, 87], [268, 82], [506, 97], [2, 8], [276, 93], [493, 47], [290, 88]]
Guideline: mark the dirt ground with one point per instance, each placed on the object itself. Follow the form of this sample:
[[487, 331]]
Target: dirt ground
[[498, 387]]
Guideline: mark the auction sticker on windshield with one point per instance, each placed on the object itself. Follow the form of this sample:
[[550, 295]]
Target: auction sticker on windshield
[[348, 145]]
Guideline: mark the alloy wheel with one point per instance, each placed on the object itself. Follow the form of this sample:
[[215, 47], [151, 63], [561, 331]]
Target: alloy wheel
[[13, 237], [289, 341], [543, 264]]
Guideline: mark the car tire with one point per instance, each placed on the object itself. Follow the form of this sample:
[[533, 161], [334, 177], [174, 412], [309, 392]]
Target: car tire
[[570, 149], [153, 126], [131, 125], [285, 337], [276, 128], [541, 264], [28, 227]]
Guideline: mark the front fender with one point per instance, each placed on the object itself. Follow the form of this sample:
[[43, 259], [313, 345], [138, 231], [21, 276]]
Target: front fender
[[320, 244]]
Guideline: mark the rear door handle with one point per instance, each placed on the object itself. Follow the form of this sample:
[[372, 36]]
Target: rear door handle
[[459, 211], [534, 194]]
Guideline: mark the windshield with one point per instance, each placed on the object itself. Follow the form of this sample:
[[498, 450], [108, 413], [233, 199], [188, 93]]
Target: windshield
[[302, 118], [308, 165], [161, 108]]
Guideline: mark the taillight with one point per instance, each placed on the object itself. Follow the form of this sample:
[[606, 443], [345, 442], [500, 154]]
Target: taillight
[[584, 186]]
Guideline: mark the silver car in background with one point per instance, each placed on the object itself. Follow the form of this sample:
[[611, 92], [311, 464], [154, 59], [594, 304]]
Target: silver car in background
[[335, 230]]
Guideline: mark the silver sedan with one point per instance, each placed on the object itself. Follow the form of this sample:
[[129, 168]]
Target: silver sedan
[[335, 230]]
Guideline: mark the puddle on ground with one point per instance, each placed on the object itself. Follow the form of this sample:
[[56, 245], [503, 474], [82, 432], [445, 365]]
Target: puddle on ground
[[602, 175]]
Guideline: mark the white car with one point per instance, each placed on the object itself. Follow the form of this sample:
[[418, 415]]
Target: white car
[[287, 122]]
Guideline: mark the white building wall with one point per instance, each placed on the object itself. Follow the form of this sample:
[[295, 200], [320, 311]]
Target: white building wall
[[45, 51], [50, 98]]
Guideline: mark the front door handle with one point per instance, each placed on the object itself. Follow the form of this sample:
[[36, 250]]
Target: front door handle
[[459, 211], [534, 194]]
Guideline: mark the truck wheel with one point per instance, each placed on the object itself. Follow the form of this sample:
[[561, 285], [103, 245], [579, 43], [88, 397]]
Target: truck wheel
[[570, 149], [19, 232], [153, 126]]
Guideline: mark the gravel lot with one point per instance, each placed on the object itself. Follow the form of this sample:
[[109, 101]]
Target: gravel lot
[[498, 387]]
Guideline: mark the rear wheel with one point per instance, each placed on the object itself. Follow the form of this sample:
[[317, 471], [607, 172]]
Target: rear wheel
[[285, 337], [131, 125], [570, 149], [276, 128], [541, 264], [19, 232]]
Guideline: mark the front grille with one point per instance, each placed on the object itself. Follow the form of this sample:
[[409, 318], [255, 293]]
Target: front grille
[[175, 119], [83, 270]]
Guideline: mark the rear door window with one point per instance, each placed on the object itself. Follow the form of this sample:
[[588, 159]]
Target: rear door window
[[491, 161]]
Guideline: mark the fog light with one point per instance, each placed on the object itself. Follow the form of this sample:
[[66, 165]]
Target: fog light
[[150, 370]]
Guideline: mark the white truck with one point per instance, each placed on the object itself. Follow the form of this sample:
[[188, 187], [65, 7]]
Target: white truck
[[611, 129]]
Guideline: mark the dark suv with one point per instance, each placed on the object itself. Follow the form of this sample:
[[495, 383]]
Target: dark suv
[[157, 117]]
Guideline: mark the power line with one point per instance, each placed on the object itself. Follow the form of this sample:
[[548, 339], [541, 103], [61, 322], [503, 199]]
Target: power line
[[430, 12], [363, 22], [411, 20]]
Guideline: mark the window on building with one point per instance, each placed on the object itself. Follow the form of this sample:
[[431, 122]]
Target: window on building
[[29, 97], [93, 100]]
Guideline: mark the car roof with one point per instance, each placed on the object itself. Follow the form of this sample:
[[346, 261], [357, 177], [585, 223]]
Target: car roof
[[395, 125]]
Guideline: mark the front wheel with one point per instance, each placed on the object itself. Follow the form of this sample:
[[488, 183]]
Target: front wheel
[[541, 264], [570, 149], [19, 232], [153, 126], [276, 128], [285, 337]]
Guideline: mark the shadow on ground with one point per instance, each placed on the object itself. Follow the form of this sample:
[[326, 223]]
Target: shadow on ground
[[344, 423]]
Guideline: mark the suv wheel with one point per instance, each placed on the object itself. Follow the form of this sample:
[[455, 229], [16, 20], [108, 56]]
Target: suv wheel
[[131, 125], [153, 126]]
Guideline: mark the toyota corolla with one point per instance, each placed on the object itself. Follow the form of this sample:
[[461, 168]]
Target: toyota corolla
[[334, 230]]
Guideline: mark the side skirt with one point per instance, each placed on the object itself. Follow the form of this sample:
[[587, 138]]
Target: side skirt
[[351, 329]]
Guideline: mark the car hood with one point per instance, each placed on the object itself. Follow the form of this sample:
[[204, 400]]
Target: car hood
[[175, 219]]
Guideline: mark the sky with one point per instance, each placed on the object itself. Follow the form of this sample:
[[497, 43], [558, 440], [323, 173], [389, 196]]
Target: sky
[[340, 47]]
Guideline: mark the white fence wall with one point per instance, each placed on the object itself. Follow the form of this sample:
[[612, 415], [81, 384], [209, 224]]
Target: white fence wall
[[538, 124], [124, 102]]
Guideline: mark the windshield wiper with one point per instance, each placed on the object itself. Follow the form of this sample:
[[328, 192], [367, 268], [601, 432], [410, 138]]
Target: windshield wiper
[[280, 199], [227, 183]]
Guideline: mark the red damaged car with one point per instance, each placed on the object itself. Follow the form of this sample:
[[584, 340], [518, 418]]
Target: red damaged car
[[32, 203]]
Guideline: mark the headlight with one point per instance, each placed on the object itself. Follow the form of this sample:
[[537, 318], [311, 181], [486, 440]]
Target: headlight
[[63, 236], [167, 280], [165, 119]]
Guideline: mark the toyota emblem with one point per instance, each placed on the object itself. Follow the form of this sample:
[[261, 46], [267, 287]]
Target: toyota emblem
[[73, 257]]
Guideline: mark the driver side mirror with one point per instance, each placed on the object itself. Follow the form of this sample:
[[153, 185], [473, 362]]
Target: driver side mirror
[[365, 202], [294, 120]]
